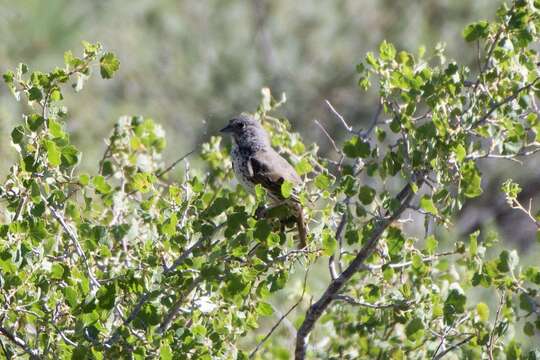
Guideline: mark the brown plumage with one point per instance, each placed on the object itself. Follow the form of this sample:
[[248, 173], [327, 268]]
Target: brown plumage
[[256, 162]]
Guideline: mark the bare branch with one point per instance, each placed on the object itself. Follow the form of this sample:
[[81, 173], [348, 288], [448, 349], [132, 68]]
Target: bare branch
[[524, 152], [374, 120], [170, 167], [333, 142], [339, 116]]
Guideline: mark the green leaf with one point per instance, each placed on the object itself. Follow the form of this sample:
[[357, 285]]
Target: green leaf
[[165, 351], [303, 167], [106, 296], [454, 304], [262, 230], [34, 94], [427, 204], [17, 134], [473, 243], [460, 153], [387, 51], [475, 31], [260, 193], [366, 194], [53, 153], [264, 309], [471, 180], [356, 147], [71, 295], [528, 328], [415, 329], [483, 311], [142, 182], [109, 64], [57, 272], [34, 121], [322, 182], [431, 244], [55, 95], [101, 184], [329, 242], [84, 179], [70, 156], [286, 189]]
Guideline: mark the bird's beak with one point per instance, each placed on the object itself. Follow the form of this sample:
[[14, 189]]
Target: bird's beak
[[226, 129]]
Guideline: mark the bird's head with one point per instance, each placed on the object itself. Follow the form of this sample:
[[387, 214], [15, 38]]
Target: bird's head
[[246, 131]]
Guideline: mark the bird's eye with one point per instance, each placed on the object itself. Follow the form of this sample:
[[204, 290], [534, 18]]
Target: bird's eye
[[241, 125]]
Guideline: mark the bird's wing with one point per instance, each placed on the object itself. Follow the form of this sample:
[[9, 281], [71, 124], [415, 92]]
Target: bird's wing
[[270, 170]]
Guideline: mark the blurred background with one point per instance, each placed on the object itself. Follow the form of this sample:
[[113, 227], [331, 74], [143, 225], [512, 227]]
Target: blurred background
[[191, 65]]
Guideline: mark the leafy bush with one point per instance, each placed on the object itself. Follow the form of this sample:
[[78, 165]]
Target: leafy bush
[[126, 263]]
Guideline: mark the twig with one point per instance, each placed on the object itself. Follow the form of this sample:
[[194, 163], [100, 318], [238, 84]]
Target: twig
[[178, 305], [145, 296], [455, 346], [352, 301], [408, 263], [506, 100], [374, 121], [180, 259], [182, 298], [516, 204], [20, 206], [492, 335], [338, 115], [333, 142], [523, 152], [283, 317], [94, 283], [163, 172], [443, 336], [20, 343], [116, 334]]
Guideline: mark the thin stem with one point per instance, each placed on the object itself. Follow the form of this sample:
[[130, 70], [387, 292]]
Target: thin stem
[[283, 317]]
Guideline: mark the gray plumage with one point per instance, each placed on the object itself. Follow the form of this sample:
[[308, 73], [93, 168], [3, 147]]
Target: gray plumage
[[256, 162]]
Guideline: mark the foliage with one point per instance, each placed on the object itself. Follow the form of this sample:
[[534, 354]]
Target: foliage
[[123, 263]]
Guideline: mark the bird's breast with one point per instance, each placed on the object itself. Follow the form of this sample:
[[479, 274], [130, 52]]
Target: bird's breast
[[240, 167]]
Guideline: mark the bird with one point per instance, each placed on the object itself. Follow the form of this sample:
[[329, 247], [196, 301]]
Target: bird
[[255, 162]]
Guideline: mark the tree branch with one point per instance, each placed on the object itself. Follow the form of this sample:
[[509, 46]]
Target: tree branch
[[20, 343], [316, 310], [348, 299], [170, 167], [94, 283], [453, 347], [506, 100]]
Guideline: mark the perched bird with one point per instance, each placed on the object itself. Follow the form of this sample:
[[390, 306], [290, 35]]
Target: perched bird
[[256, 162]]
